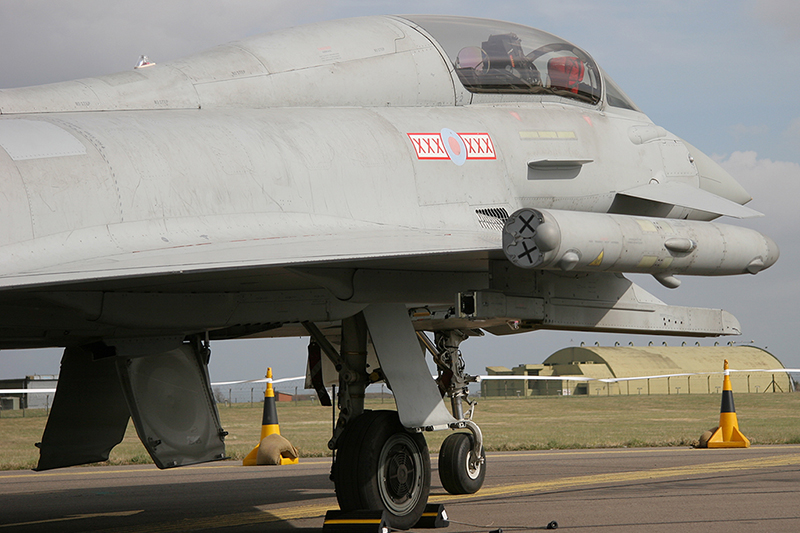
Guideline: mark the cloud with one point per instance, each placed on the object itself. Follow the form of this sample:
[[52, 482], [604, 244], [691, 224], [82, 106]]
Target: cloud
[[766, 303], [740, 130], [774, 179], [793, 133], [782, 14], [54, 41], [774, 185]]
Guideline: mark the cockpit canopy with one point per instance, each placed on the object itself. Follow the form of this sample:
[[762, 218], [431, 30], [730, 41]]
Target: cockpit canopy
[[500, 57]]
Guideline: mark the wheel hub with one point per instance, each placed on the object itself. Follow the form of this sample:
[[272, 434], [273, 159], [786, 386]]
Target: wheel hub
[[473, 466], [401, 474]]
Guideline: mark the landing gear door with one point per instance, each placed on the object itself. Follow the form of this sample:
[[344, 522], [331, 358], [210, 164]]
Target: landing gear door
[[402, 360], [89, 415], [171, 404]]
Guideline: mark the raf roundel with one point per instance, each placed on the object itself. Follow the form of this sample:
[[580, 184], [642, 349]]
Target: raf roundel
[[457, 147], [454, 145]]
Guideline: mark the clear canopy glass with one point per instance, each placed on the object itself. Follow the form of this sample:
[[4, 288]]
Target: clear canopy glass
[[500, 57]]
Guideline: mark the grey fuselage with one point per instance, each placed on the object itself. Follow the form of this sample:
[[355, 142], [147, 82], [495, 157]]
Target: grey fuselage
[[301, 175]]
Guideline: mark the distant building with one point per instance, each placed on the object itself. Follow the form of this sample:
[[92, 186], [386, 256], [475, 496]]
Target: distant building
[[283, 397], [601, 362], [22, 400]]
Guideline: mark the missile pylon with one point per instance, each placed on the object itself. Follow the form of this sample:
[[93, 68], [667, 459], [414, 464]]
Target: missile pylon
[[727, 435], [269, 425]]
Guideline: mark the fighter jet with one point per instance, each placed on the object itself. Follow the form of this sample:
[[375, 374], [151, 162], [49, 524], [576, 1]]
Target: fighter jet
[[387, 186]]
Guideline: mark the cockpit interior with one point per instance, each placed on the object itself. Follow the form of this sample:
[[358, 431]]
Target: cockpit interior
[[506, 58]]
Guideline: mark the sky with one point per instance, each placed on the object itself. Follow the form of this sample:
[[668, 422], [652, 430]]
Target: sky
[[721, 74]]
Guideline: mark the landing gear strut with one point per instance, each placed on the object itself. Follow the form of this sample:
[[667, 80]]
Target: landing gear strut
[[382, 460], [462, 459], [379, 463]]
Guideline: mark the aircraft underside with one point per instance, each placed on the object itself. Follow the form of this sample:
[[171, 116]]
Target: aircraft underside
[[144, 345], [146, 352]]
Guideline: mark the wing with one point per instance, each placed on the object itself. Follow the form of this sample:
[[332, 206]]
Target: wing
[[221, 247]]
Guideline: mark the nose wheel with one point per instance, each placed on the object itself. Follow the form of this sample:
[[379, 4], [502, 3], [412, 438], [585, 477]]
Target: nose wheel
[[462, 459], [461, 470], [380, 465]]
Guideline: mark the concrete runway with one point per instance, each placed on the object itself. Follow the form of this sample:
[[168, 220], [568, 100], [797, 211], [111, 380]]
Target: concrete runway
[[644, 489]]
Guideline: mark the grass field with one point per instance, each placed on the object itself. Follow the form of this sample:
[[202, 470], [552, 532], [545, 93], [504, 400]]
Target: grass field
[[507, 424]]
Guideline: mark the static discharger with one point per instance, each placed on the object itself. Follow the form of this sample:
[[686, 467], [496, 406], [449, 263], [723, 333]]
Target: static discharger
[[727, 435], [273, 449]]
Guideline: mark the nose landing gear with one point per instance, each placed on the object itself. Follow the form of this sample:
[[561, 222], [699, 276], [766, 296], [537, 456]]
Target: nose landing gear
[[462, 459]]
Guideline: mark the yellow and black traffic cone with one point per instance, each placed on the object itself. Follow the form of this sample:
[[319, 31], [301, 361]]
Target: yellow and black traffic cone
[[727, 435], [272, 449]]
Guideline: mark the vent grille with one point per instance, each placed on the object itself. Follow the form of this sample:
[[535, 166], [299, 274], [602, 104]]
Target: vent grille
[[492, 218]]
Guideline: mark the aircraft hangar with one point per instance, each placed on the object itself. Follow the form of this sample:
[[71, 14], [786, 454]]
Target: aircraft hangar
[[660, 369]]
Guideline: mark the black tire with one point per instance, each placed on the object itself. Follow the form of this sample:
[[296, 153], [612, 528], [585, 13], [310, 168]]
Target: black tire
[[454, 471], [380, 465]]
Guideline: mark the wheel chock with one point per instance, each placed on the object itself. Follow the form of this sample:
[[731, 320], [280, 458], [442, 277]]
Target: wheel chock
[[366, 521], [434, 516], [727, 435], [284, 452]]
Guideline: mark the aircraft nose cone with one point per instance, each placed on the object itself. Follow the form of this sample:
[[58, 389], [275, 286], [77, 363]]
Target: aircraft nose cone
[[773, 252], [715, 179], [771, 255]]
